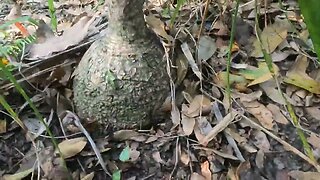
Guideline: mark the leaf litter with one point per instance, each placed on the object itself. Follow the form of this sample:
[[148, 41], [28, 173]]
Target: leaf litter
[[202, 140]]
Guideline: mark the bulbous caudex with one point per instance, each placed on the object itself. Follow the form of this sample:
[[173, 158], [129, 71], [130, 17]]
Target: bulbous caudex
[[122, 78]]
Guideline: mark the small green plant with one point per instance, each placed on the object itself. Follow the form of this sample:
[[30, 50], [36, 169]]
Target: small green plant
[[311, 14], [52, 13], [268, 59], [11, 47], [14, 48], [124, 156], [180, 3], [233, 27], [116, 175]]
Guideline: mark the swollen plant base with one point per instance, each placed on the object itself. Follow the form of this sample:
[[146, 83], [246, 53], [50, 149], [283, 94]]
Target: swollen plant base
[[122, 78]]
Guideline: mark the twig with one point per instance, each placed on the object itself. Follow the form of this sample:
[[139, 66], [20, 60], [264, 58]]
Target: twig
[[286, 145], [218, 128], [177, 158], [231, 141], [93, 145], [204, 17]]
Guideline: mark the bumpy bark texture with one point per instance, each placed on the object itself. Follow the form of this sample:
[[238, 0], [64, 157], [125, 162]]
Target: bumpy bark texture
[[122, 78]]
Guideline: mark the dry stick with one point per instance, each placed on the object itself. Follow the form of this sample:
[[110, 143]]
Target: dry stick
[[176, 159], [230, 140], [11, 85], [189, 154], [219, 153], [286, 145], [218, 128], [93, 145], [203, 18]]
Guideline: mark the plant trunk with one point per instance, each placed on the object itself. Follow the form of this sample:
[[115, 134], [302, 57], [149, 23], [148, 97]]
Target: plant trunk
[[122, 78]]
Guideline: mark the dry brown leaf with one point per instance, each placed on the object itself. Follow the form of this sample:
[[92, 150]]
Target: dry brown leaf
[[286, 145], [301, 93], [221, 27], [186, 51], [260, 159], [260, 112], [71, 147], [134, 153], [43, 32], [156, 156], [278, 56], [182, 67], [314, 112], [235, 135], [277, 115], [270, 88], [88, 176], [184, 158], [139, 138], [158, 27], [198, 132], [196, 176], [198, 105], [314, 140], [19, 175], [237, 81], [224, 155], [300, 175], [205, 170], [248, 97], [187, 122], [70, 37], [122, 135], [271, 37], [204, 125], [15, 12], [151, 139], [243, 167], [3, 126], [261, 141], [218, 128], [175, 115], [207, 47], [232, 174]]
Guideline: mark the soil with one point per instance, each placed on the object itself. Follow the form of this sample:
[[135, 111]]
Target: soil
[[161, 150]]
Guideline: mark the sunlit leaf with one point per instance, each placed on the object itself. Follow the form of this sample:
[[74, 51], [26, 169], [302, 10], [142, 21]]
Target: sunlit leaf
[[297, 76], [125, 154], [71, 147], [116, 175], [271, 36], [258, 75]]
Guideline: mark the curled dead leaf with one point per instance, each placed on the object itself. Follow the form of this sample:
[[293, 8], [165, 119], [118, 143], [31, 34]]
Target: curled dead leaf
[[122, 135], [205, 170], [300, 175], [70, 37], [260, 112], [71, 147], [196, 176], [187, 122], [277, 115], [207, 47], [199, 104]]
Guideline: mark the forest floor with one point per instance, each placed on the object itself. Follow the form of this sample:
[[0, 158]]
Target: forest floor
[[207, 137]]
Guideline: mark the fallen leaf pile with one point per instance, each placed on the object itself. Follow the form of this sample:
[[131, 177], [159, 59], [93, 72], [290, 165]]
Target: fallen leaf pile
[[251, 136]]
